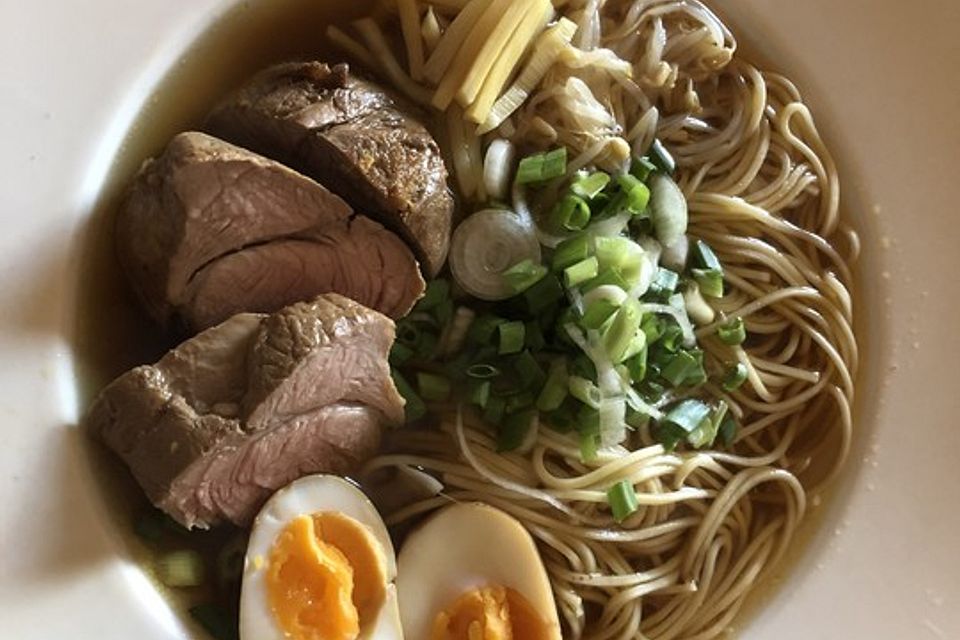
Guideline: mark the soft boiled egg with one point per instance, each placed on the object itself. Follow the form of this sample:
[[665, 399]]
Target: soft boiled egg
[[319, 566], [472, 572]]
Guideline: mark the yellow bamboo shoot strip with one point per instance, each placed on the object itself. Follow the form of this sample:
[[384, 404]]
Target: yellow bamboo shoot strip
[[468, 53], [452, 38], [508, 23], [430, 30], [352, 47], [539, 12], [545, 52], [410, 25], [373, 36]]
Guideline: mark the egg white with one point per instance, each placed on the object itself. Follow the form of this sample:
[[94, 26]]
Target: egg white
[[468, 546], [309, 495]]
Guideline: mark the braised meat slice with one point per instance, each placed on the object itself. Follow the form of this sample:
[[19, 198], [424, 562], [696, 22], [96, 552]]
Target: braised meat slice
[[196, 237], [244, 408], [352, 136]]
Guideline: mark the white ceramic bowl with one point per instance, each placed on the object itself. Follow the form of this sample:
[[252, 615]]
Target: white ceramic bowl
[[883, 77]]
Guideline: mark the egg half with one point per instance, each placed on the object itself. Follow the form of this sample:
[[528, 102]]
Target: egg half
[[472, 572], [319, 566]]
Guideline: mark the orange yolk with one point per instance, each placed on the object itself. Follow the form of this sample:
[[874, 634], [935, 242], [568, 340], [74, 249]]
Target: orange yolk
[[490, 613], [326, 578]]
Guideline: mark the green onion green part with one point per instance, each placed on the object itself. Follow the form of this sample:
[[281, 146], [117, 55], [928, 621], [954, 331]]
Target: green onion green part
[[589, 186], [545, 293], [577, 274], [482, 371], [511, 337], [514, 430], [524, 275], [623, 500], [554, 391], [571, 213], [735, 377], [480, 393], [433, 388], [637, 194], [180, 569], [661, 158], [733, 333], [571, 251]]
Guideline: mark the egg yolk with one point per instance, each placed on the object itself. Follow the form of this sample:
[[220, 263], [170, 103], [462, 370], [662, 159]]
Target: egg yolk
[[326, 577], [491, 613]]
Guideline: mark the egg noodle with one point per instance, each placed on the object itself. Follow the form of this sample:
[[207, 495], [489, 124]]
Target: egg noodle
[[763, 191]]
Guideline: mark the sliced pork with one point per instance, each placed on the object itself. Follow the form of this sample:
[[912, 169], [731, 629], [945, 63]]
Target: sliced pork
[[244, 408], [209, 230], [352, 136]]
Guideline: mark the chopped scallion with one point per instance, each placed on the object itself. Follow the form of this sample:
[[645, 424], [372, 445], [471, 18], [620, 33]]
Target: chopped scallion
[[682, 420], [664, 283], [661, 158], [483, 329], [571, 251], [480, 393], [542, 166], [589, 445], [530, 169], [705, 258], [534, 339], [735, 377], [493, 412], [546, 292], [554, 163], [519, 402], [514, 430], [727, 431], [589, 186], [622, 254], [529, 370], [400, 354], [482, 371], [597, 314], [623, 500], [637, 194], [621, 333], [577, 274], [182, 568], [641, 168], [608, 276], [432, 387], [681, 368], [588, 426], [438, 291], [511, 337], [637, 366], [710, 282], [571, 213], [524, 275], [733, 333], [585, 391], [554, 391]]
